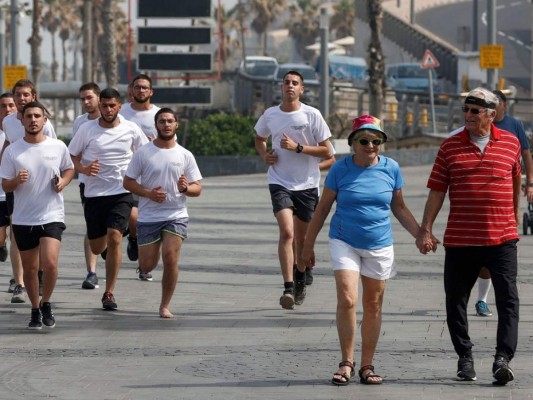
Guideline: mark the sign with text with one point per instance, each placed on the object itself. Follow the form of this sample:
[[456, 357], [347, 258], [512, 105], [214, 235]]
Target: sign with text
[[174, 35], [12, 74], [174, 8], [491, 56], [186, 62], [182, 95]]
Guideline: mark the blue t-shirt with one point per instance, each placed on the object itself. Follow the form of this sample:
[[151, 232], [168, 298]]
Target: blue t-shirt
[[364, 196], [514, 126]]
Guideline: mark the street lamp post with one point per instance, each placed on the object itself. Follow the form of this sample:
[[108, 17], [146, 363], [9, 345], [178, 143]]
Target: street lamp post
[[14, 31], [324, 62]]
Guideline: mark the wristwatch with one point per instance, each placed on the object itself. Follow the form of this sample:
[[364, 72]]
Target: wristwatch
[[299, 148]]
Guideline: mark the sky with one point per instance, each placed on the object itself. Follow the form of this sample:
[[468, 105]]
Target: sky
[[25, 32]]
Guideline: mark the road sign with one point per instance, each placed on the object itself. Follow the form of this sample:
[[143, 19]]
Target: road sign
[[174, 9], [174, 35], [13, 73], [197, 62], [491, 56], [429, 60], [182, 95]]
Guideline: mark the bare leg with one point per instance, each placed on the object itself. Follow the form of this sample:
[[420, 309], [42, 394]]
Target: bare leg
[[90, 257], [49, 254], [171, 252], [347, 291], [373, 292], [16, 263], [286, 237]]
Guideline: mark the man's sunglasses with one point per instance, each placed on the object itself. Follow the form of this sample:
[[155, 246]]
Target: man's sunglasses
[[474, 111], [366, 142]]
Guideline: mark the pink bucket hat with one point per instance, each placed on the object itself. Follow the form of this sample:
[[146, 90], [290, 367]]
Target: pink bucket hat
[[366, 122]]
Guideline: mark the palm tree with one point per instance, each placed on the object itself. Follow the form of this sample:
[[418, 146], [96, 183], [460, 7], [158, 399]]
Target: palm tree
[[266, 11], [376, 62], [35, 42], [87, 38], [110, 62], [304, 25], [51, 21], [343, 18]]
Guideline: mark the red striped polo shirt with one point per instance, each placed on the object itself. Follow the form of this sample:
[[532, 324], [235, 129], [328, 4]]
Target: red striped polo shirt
[[480, 187]]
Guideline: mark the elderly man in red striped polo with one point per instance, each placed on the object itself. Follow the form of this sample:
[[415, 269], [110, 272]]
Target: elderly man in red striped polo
[[480, 169]]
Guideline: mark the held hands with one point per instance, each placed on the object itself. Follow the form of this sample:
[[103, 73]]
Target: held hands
[[270, 157], [308, 256], [426, 241]]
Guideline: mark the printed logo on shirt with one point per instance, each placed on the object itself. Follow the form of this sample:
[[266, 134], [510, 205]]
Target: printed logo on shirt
[[300, 127]]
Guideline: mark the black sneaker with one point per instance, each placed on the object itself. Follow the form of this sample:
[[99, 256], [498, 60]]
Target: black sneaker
[[308, 277], [299, 292], [47, 315], [144, 276], [501, 371], [40, 276], [91, 282], [108, 301], [286, 301], [465, 368], [36, 319], [3, 253], [133, 249]]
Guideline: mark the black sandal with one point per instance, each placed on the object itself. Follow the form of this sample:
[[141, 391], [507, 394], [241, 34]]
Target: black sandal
[[364, 379], [338, 381]]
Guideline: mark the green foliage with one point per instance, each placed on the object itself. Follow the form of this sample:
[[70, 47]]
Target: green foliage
[[222, 134], [65, 139]]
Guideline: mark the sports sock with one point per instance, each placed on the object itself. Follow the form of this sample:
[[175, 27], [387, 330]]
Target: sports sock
[[483, 287]]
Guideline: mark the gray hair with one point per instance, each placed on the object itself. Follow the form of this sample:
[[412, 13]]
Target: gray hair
[[484, 94]]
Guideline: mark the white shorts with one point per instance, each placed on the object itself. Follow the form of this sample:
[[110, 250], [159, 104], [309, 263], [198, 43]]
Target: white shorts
[[376, 264]]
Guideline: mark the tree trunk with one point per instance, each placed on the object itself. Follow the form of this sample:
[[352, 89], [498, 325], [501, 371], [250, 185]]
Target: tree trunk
[[376, 62], [109, 49], [35, 42], [87, 37]]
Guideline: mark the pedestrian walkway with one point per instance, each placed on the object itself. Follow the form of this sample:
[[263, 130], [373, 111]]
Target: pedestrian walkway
[[230, 338]]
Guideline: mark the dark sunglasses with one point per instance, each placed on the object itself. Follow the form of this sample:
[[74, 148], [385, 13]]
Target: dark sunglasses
[[366, 142], [474, 111]]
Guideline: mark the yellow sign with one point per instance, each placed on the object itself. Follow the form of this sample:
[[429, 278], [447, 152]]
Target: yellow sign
[[12, 74], [491, 56]]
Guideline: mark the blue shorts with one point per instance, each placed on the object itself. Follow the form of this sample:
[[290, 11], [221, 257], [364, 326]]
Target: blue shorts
[[151, 232]]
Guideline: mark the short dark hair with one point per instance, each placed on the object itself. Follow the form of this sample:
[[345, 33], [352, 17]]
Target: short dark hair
[[165, 110], [293, 72], [90, 86], [6, 95], [25, 83], [35, 104], [141, 76], [110, 93], [500, 95]]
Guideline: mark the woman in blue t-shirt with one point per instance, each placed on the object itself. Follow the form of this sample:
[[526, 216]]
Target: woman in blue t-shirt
[[366, 187]]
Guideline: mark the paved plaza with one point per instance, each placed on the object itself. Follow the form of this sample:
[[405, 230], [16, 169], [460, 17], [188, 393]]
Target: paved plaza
[[230, 338]]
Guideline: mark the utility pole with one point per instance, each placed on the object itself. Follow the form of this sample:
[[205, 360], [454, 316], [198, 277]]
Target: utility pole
[[324, 63], [2, 30], [14, 32], [475, 17], [492, 74]]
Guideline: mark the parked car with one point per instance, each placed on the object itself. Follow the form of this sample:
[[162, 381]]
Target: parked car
[[261, 67], [311, 82], [346, 68], [411, 79]]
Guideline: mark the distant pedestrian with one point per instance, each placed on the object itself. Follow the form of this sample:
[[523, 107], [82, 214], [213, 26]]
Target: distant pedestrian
[[480, 169], [300, 137], [102, 150], [163, 174], [37, 168]]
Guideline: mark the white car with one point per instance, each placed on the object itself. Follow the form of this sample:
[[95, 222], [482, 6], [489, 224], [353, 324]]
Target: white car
[[259, 67]]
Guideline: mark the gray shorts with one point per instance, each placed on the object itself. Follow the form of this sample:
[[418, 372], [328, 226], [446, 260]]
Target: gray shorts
[[151, 232]]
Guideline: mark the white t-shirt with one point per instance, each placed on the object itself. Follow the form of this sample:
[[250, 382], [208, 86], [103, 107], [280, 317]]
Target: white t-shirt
[[14, 129], [37, 203], [306, 126], [113, 148], [2, 140], [145, 118], [152, 166], [79, 121]]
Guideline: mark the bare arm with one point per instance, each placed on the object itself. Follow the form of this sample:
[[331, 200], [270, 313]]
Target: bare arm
[[64, 180], [90, 170], [322, 211], [261, 147], [431, 210], [517, 189], [403, 214], [528, 165], [326, 163], [320, 151]]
